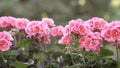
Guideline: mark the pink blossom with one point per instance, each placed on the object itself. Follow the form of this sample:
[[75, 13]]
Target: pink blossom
[[6, 35], [106, 34], [97, 23], [111, 34], [65, 40], [97, 49], [66, 30], [114, 23], [39, 30], [11, 20], [57, 30], [82, 29], [78, 27], [91, 42], [5, 41], [54, 31], [21, 23], [115, 34], [95, 35], [32, 28], [48, 21], [4, 22], [35, 27], [4, 45], [7, 21]]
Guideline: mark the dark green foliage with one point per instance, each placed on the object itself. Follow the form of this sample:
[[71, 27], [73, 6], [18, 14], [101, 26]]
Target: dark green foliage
[[106, 52]]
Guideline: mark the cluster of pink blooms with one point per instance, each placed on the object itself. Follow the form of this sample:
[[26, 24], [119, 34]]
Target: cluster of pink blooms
[[5, 41], [111, 32], [92, 42], [40, 29], [8, 21], [89, 33]]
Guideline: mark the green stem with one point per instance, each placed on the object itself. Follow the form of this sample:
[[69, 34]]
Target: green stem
[[2, 60], [45, 48], [83, 55], [116, 50], [72, 60], [41, 46], [15, 40], [19, 39]]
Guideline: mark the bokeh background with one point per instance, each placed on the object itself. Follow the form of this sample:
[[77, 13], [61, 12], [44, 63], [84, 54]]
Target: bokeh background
[[61, 10]]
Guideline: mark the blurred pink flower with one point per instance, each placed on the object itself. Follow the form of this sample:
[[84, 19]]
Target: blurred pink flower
[[38, 30], [4, 45], [32, 28], [65, 40], [48, 21], [5, 41], [57, 30], [91, 42], [21, 23], [6, 35], [78, 27], [97, 23], [7, 21]]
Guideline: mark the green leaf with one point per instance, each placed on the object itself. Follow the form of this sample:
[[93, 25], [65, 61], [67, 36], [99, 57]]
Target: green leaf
[[26, 42], [41, 57], [118, 64], [75, 56], [57, 54], [54, 48], [62, 46], [76, 44], [20, 65], [105, 52], [50, 65], [74, 66]]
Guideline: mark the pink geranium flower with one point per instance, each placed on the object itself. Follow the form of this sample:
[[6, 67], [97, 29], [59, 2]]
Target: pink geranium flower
[[65, 40], [57, 30], [21, 23], [48, 21], [4, 45], [7, 21], [32, 28], [6, 35], [5, 41], [78, 27], [97, 23], [91, 42]]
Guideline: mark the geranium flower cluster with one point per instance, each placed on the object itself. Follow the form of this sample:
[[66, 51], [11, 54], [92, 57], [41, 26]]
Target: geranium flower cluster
[[111, 32], [37, 30], [40, 29], [89, 33], [5, 41], [8, 21]]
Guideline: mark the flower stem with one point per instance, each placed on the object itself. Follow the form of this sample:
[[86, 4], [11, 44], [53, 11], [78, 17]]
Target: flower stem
[[15, 40], [2, 60], [19, 39], [116, 50], [83, 55]]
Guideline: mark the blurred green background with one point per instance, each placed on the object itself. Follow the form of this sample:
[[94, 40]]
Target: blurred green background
[[61, 10]]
